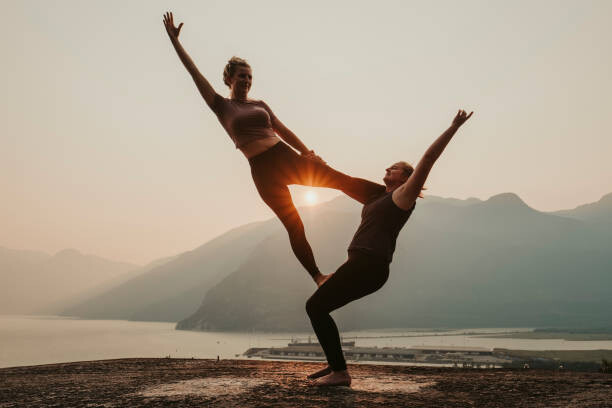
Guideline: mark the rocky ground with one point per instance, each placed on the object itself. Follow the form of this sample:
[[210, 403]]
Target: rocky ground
[[256, 383]]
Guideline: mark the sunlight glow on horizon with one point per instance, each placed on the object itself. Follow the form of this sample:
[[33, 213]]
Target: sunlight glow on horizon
[[311, 197]]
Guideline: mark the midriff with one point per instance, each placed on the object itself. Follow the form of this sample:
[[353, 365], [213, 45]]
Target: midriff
[[259, 146]]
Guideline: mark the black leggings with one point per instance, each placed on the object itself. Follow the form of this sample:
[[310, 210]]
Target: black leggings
[[359, 276], [280, 166]]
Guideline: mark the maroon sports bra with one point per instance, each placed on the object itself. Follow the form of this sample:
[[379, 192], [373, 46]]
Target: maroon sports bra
[[245, 121]]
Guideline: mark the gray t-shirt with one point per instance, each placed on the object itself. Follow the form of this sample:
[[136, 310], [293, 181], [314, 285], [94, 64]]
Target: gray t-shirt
[[244, 121], [381, 222]]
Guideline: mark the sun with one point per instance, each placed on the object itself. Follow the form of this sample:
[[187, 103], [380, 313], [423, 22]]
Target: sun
[[311, 197]]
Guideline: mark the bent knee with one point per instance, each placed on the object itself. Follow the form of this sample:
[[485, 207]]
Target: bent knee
[[311, 307], [315, 307]]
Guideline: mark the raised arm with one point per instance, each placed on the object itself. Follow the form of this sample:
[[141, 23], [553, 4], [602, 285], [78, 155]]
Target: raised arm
[[206, 90], [406, 194]]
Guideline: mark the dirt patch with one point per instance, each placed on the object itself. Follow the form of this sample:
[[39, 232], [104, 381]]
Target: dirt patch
[[225, 386], [210, 387], [256, 383], [389, 384]]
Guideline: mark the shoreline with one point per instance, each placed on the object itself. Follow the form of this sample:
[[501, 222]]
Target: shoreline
[[567, 356]]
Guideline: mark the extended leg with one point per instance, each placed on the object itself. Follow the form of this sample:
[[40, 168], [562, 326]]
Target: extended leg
[[278, 198], [316, 174]]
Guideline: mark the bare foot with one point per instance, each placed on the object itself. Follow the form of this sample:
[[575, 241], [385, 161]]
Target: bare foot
[[320, 373], [335, 379], [321, 279]]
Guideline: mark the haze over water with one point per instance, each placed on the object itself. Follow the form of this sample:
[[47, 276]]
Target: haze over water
[[32, 340]]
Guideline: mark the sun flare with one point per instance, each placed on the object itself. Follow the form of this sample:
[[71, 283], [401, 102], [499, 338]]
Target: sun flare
[[311, 197]]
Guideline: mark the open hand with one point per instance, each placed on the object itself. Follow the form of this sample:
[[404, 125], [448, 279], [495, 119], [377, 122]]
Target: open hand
[[461, 118], [172, 31]]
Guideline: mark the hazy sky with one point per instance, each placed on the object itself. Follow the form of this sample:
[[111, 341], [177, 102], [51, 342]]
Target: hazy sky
[[107, 147]]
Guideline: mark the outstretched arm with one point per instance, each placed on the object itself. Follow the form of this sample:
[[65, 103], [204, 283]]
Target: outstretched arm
[[206, 90], [406, 194]]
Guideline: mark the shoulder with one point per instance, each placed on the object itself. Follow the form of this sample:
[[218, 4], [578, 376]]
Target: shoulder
[[219, 103], [400, 201]]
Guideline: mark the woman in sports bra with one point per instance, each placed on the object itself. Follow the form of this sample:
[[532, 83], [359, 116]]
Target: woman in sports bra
[[265, 141]]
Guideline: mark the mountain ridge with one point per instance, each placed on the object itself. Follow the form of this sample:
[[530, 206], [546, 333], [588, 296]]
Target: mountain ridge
[[174, 288]]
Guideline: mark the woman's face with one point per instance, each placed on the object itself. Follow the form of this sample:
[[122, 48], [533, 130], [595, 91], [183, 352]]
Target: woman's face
[[241, 80], [394, 174]]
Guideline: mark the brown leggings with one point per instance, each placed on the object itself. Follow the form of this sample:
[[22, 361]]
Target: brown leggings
[[280, 166]]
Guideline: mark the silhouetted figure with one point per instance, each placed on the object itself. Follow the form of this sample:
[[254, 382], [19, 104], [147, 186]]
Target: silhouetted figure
[[257, 132], [370, 252]]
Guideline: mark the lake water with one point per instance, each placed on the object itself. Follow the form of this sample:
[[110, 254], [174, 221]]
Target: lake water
[[30, 340]]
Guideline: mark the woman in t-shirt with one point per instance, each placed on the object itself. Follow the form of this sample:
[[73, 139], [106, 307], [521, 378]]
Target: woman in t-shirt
[[257, 132], [370, 253]]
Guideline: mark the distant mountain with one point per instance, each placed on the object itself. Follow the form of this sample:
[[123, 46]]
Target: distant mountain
[[174, 289], [599, 211], [598, 215], [469, 262], [269, 289], [452, 201], [479, 263], [35, 282]]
